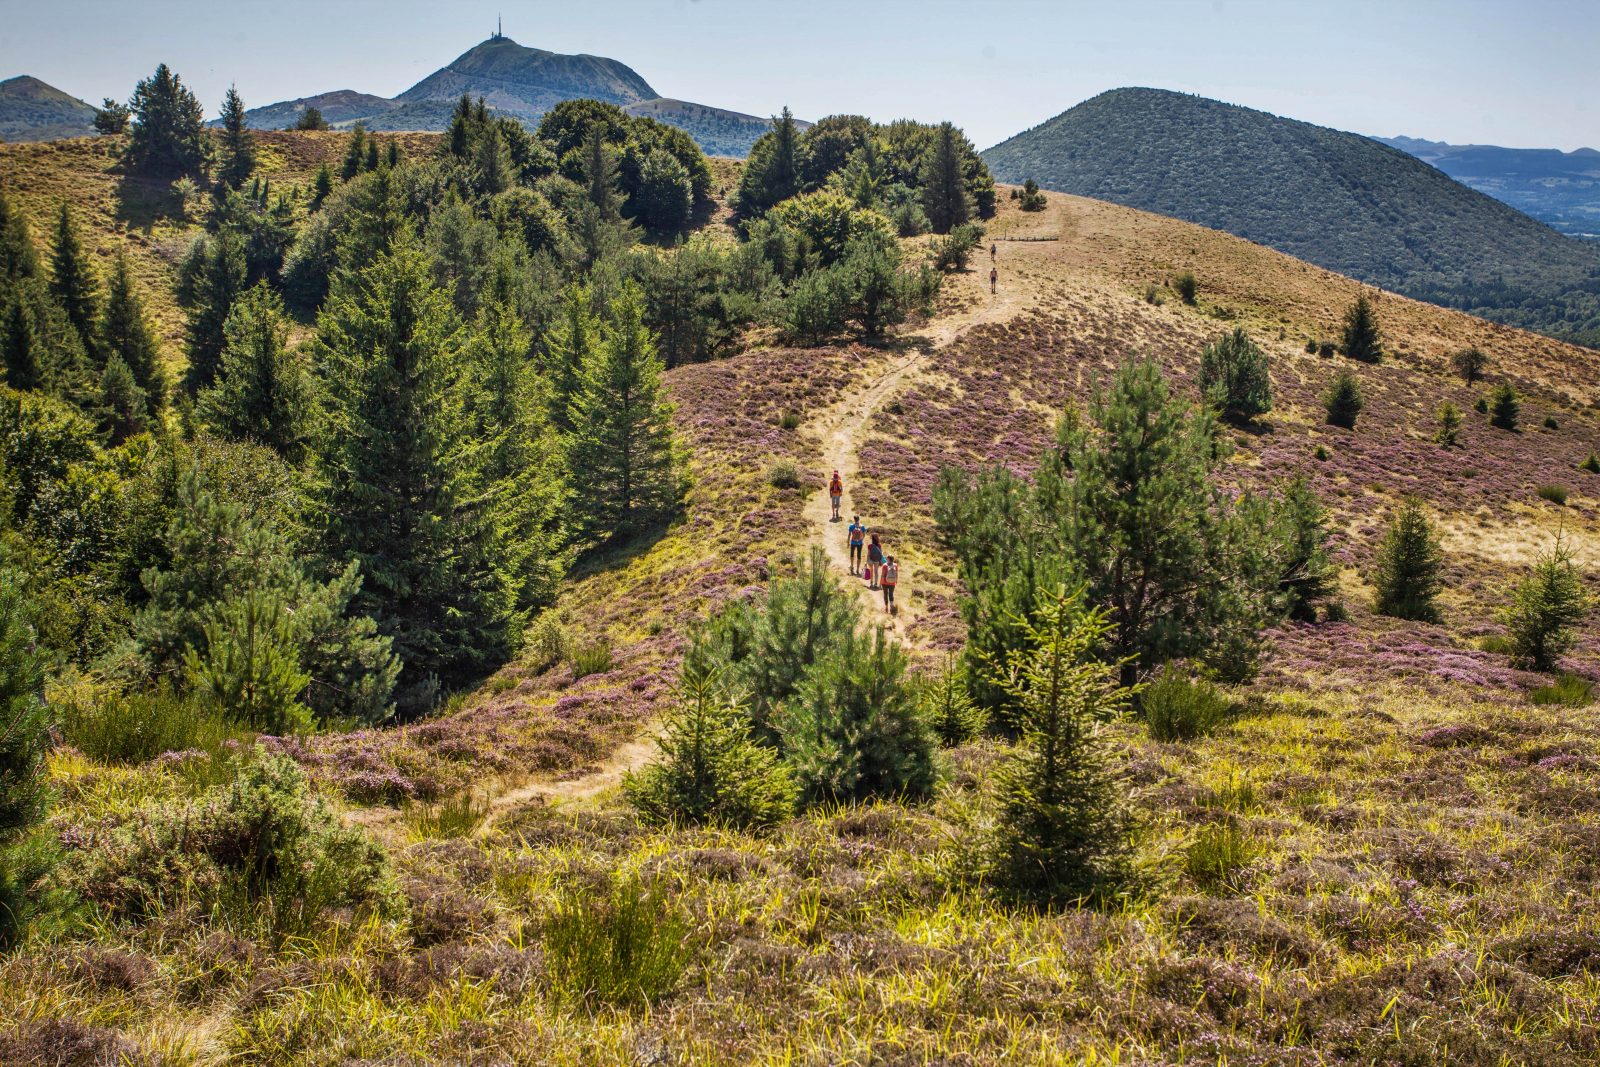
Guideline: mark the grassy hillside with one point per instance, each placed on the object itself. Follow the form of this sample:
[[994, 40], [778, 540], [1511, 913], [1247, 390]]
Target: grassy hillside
[[1389, 855], [1336, 199]]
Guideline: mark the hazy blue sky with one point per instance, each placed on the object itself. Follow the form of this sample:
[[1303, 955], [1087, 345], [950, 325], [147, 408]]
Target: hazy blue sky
[[1489, 71]]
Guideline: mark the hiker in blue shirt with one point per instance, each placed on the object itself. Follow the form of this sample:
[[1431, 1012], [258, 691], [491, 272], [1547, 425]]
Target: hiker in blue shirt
[[858, 536]]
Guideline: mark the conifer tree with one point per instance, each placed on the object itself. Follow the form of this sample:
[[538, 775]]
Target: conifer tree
[[1342, 401], [950, 709], [18, 259], [622, 437], [493, 163], [1233, 372], [396, 483], [1362, 339], [1449, 420], [372, 160], [1504, 407], [321, 188], [458, 135], [20, 348], [168, 138], [123, 408], [355, 152], [262, 391], [72, 281], [311, 119], [125, 333], [24, 742], [600, 174], [1297, 525], [1546, 608], [1064, 826], [1470, 363], [238, 143], [772, 171], [944, 187], [111, 117], [213, 277], [665, 197], [250, 669], [1408, 565]]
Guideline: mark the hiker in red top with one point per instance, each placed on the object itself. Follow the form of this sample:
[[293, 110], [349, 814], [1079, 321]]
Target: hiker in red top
[[835, 491], [874, 562], [890, 578]]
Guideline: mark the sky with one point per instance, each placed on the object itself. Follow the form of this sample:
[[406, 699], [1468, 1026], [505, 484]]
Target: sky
[[1521, 74]]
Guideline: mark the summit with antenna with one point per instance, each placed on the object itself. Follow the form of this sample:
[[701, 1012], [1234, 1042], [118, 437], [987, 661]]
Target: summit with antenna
[[499, 27]]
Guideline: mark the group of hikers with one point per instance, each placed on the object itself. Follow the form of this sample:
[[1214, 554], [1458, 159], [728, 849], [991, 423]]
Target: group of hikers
[[868, 559]]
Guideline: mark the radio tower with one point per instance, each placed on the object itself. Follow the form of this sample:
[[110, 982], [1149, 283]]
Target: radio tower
[[499, 28]]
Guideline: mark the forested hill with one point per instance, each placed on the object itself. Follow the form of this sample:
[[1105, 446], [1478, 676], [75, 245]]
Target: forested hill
[[31, 110], [1560, 188], [1336, 199]]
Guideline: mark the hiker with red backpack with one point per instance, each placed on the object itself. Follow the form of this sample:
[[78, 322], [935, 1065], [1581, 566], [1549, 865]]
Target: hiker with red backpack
[[874, 562], [835, 492], [889, 579], [857, 534]]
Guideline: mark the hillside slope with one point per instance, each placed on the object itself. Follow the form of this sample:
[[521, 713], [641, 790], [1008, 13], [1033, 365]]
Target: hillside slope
[[1555, 187], [1336, 199], [31, 110]]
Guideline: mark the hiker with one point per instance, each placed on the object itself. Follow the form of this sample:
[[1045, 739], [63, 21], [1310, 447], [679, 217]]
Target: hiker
[[835, 491], [891, 577], [857, 534], [874, 562], [993, 251], [994, 279]]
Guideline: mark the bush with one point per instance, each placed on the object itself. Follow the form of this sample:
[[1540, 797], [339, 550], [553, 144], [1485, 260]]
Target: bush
[[1343, 401], [1545, 609], [1218, 854], [1177, 707], [1481, 405], [1064, 830], [592, 658], [1153, 295], [1321, 453], [1569, 690], [790, 420], [817, 306], [1504, 407], [1311, 346], [1556, 494], [627, 946], [1032, 199], [910, 220], [1408, 565], [949, 708], [1326, 349], [547, 643], [455, 816], [954, 251], [709, 769], [1187, 287], [131, 728], [1470, 363], [1550, 423], [1592, 464], [783, 474], [1233, 374], [1449, 420]]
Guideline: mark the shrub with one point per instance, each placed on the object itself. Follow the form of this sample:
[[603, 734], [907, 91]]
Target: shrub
[[1032, 199], [1343, 401], [1470, 363], [1218, 854], [1064, 830], [1556, 494], [1153, 295], [1233, 374], [1550, 423], [1311, 346], [1408, 565], [817, 307], [949, 708], [709, 770], [1545, 609], [1325, 349], [455, 816], [783, 474], [1592, 464], [955, 250], [24, 740], [547, 643], [1504, 406], [1361, 338], [625, 947], [1187, 287], [1481, 405], [790, 420], [1177, 707], [1569, 690], [594, 657], [1321, 453], [910, 220], [130, 728], [1449, 420], [250, 670]]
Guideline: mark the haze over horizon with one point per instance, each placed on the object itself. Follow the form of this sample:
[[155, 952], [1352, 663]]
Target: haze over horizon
[[1464, 72]]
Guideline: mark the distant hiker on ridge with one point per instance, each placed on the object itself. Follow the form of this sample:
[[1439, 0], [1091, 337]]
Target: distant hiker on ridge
[[857, 534], [835, 491]]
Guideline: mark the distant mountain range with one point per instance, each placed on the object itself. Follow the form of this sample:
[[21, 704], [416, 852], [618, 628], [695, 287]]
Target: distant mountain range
[[1560, 188], [1338, 200], [524, 83], [30, 110]]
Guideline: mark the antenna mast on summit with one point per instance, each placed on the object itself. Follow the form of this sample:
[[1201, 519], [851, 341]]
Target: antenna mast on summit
[[499, 27]]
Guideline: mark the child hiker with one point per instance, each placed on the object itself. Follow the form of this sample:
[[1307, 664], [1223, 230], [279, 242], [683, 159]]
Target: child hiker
[[857, 534], [835, 491]]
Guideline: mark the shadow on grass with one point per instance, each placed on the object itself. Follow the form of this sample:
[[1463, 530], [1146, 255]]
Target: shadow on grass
[[144, 202]]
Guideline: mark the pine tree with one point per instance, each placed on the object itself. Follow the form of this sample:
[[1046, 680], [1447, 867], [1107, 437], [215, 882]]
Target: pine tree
[[168, 138], [125, 333], [1297, 527], [1449, 420], [1064, 824], [24, 742], [262, 391], [622, 438], [250, 670], [1408, 565], [709, 769], [950, 709], [772, 171], [1504, 407], [72, 281], [944, 188], [1342, 401], [214, 276], [1362, 340], [854, 729], [20, 349], [1470, 363], [321, 188], [238, 143], [665, 196], [600, 175], [111, 117], [459, 134], [1545, 610], [493, 163], [355, 152], [123, 408], [372, 161], [18, 259], [396, 484], [311, 119], [569, 346], [1233, 372]]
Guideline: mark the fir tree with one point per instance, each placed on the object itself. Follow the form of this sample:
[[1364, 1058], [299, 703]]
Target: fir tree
[[311, 119], [125, 333], [355, 152], [372, 161], [1298, 537], [1408, 565], [18, 259], [1362, 339], [72, 281], [250, 669], [262, 392], [213, 277], [168, 138], [1449, 420], [1063, 832], [493, 163], [772, 171], [123, 408], [20, 348], [396, 483], [950, 709], [709, 769], [111, 117], [1504, 407], [622, 436], [321, 188], [1233, 373], [600, 175], [459, 134], [1342, 401], [1545, 610], [238, 143], [944, 187], [24, 742]]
